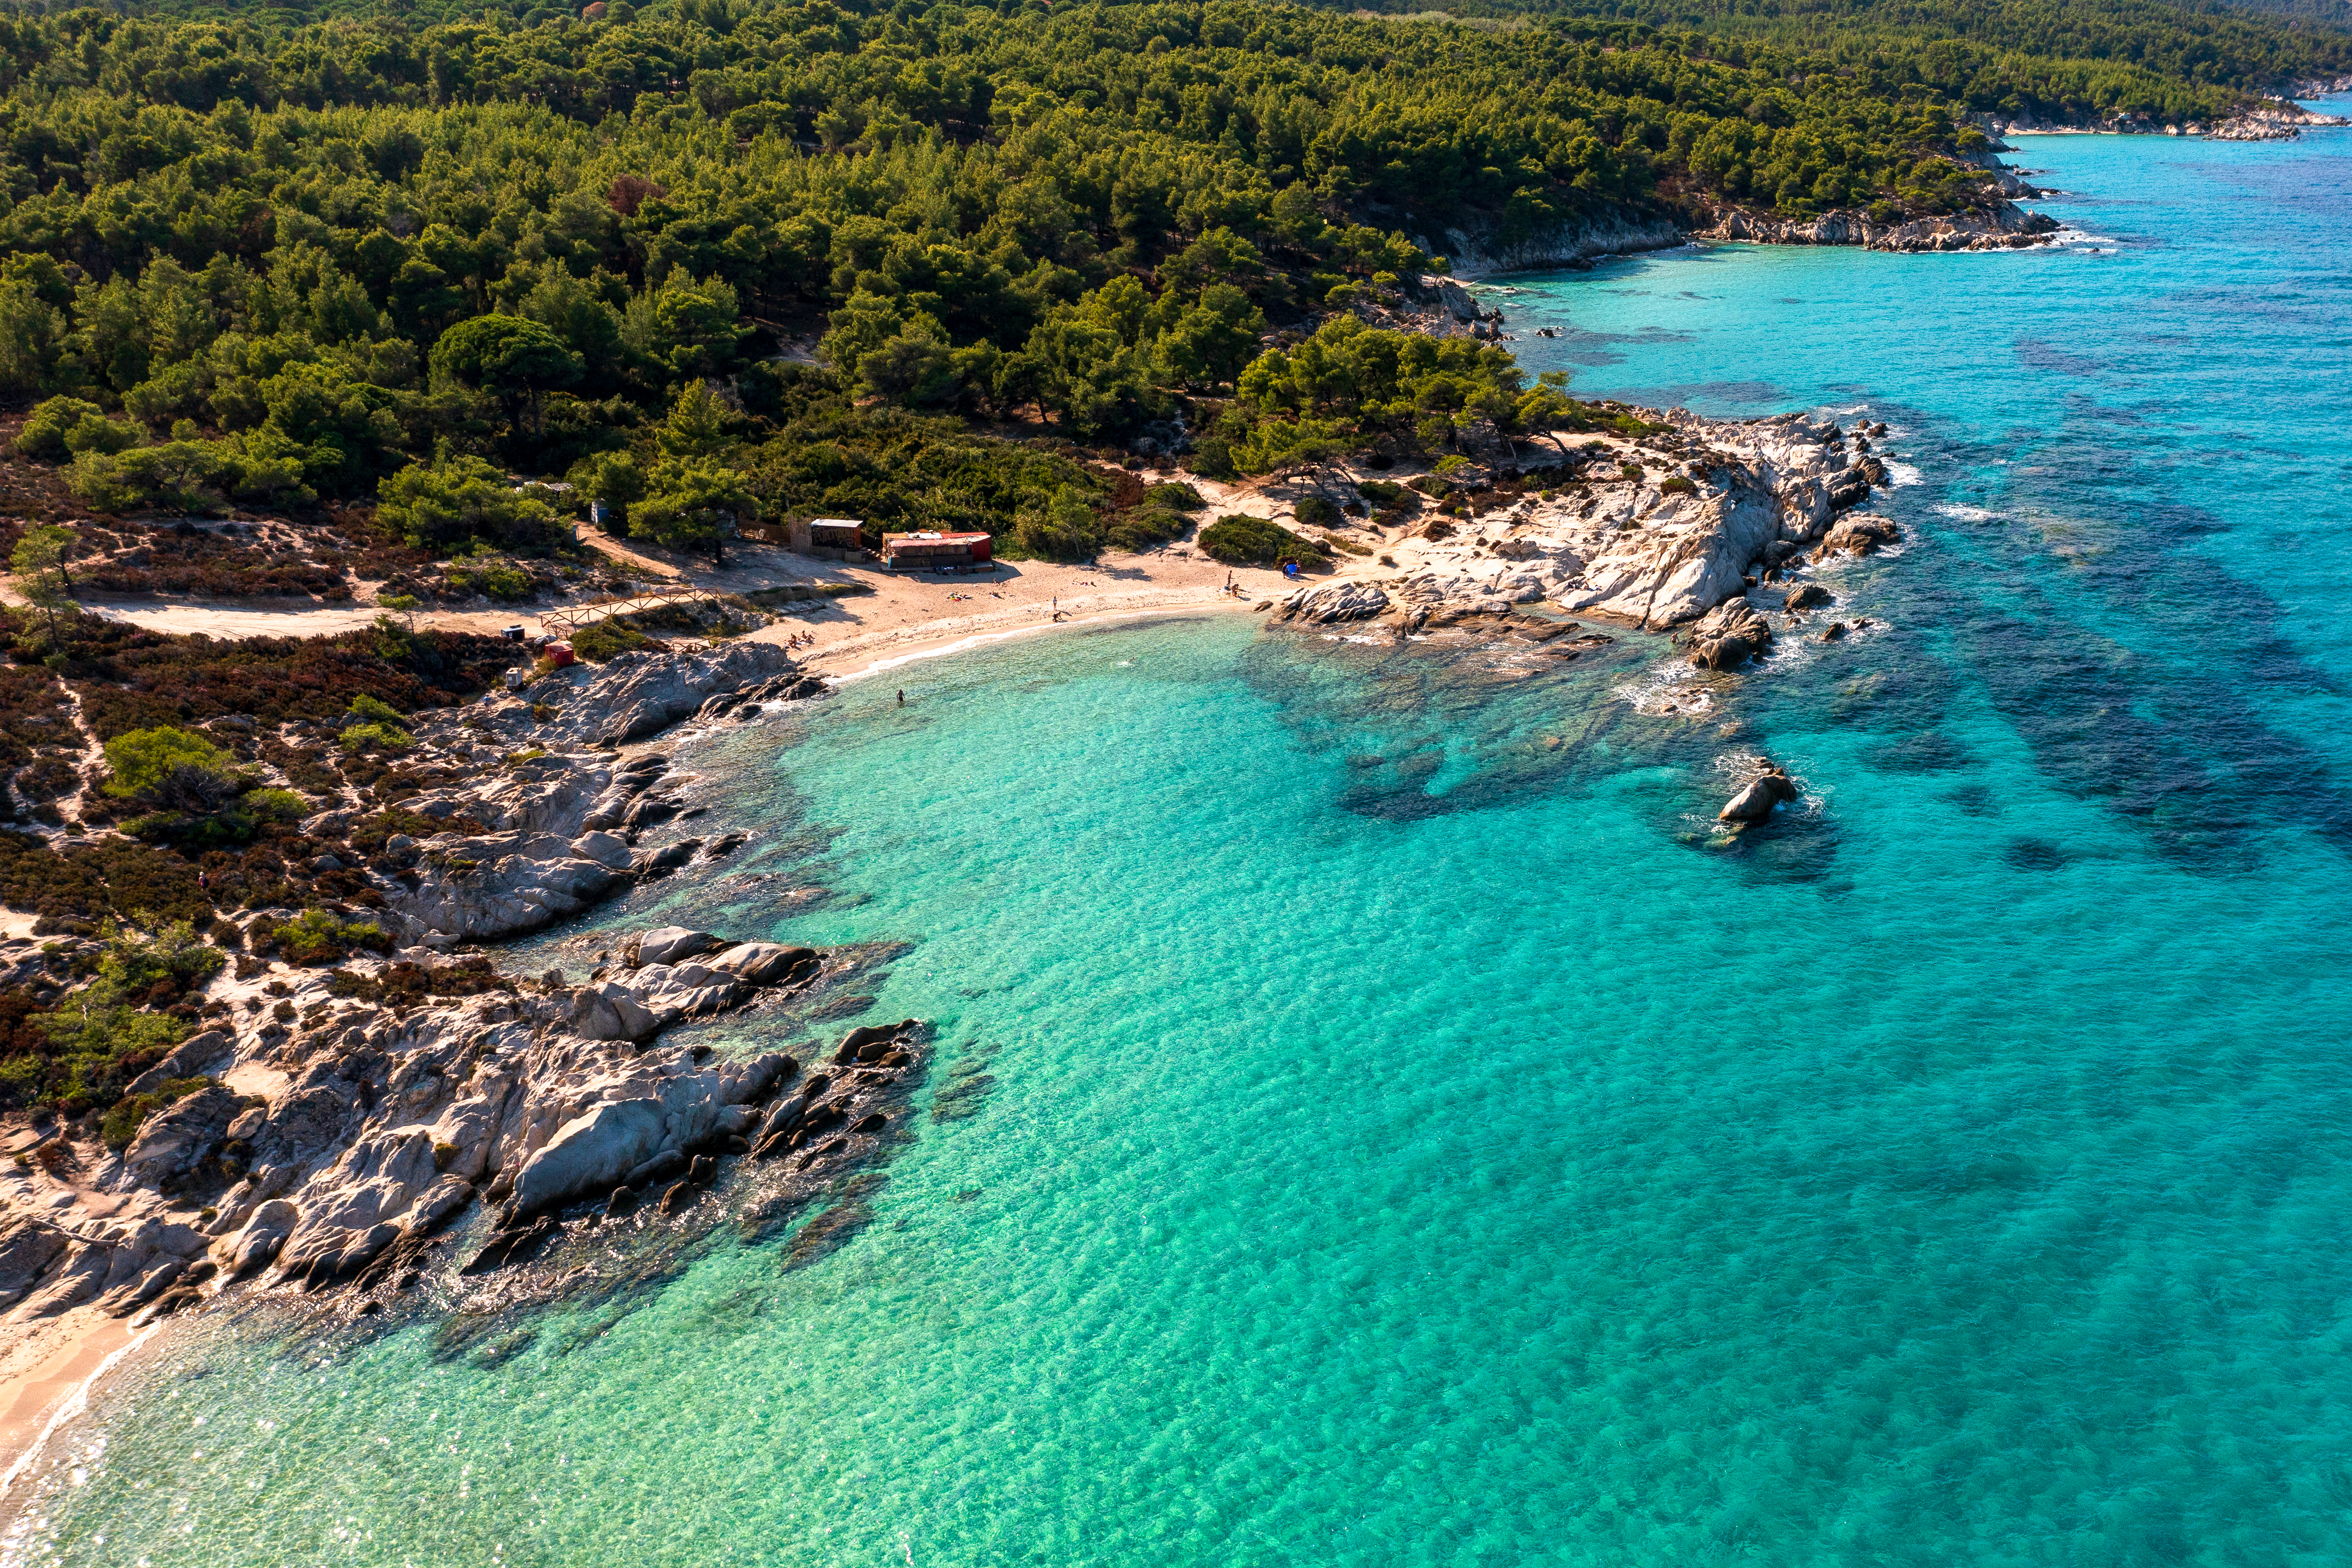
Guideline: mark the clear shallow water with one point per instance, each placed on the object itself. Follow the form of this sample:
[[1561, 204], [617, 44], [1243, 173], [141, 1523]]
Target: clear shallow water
[[1406, 1148]]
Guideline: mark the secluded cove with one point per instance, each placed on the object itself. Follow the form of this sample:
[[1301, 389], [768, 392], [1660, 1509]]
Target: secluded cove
[[1393, 1141]]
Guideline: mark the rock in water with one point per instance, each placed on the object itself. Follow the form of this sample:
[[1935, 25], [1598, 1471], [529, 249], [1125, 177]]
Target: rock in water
[[1754, 802], [1729, 636], [1859, 534], [667, 945], [1805, 597]]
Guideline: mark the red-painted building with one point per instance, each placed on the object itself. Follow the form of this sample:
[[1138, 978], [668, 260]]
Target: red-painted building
[[928, 551]]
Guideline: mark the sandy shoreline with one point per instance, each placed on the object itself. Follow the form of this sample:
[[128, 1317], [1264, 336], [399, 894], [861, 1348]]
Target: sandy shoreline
[[46, 1377]]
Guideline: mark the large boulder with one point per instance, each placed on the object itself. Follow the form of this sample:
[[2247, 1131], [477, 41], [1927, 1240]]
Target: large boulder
[[761, 962], [637, 695], [440, 1202], [1330, 602], [27, 1247], [1729, 636], [180, 1137], [608, 1010], [592, 1153], [186, 1059], [259, 1240], [1754, 802], [665, 944], [1858, 534]]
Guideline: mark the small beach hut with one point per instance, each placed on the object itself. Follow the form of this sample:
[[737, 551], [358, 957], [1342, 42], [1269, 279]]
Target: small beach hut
[[928, 550], [829, 538]]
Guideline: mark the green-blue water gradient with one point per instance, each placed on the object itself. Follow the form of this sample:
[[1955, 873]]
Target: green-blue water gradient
[[1412, 1144]]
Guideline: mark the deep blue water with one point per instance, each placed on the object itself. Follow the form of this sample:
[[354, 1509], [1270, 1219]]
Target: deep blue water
[[1414, 1140]]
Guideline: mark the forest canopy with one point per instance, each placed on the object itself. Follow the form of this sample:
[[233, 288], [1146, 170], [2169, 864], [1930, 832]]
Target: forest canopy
[[287, 255]]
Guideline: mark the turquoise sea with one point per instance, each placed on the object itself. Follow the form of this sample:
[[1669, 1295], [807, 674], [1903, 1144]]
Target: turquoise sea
[[1407, 1141]]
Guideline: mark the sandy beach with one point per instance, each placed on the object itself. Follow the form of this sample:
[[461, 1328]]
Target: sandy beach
[[47, 1369]]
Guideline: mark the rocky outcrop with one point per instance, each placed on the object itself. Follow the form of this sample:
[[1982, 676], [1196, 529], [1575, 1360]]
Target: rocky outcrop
[[669, 974], [390, 1118], [1861, 534], [187, 1059], [559, 826], [2272, 119], [2004, 225], [632, 696], [178, 1139], [1656, 539], [1330, 602], [1729, 636], [1755, 802]]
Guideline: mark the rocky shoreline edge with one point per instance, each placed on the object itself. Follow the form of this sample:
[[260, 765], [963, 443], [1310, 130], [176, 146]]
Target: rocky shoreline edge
[[335, 1128], [1707, 530]]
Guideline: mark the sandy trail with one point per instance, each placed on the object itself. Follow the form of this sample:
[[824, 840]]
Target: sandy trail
[[885, 612]]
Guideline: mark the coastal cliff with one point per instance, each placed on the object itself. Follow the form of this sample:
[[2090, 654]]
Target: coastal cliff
[[1480, 251]]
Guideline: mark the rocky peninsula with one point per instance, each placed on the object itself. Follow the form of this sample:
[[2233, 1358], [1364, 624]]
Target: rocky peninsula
[[1658, 530], [332, 1130]]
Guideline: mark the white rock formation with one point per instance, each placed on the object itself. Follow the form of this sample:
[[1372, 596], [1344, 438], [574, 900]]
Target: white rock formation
[[1657, 550]]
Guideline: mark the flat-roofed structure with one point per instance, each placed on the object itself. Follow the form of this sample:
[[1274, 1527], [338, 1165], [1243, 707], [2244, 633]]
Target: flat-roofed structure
[[928, 550]]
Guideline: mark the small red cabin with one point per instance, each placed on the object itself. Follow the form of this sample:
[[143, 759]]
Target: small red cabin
[[928, 550]]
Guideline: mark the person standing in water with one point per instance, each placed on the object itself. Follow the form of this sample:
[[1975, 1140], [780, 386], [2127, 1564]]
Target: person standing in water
[[902, 698]]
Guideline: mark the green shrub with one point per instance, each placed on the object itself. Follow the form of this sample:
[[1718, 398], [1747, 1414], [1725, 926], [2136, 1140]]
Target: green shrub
[[1629, 470], [1145, 527], [498, 580], [1065, 528], [605, 639], [175, 476], [319, 936], [452, 501], [1254, 541], [1680, 485], [1176, 496], [99, 1038], [379, 737], [1317, 513], [122, 1124], [276, 805], [169, 767], [1383, 492], [371, 709], [1212, 458], [96, 433], [44, 435]]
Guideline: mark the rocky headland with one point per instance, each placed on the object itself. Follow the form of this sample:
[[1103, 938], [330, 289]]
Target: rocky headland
[[1654, 531], [335, 1123]]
